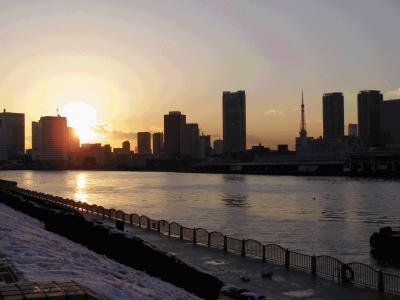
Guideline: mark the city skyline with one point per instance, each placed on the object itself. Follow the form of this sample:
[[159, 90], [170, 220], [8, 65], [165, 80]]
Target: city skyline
[[113, 58]]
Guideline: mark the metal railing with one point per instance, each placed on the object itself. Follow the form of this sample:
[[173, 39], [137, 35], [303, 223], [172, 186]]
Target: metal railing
[[326, 266]]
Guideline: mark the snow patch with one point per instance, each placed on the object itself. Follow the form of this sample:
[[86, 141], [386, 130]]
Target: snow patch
[[43, 255]]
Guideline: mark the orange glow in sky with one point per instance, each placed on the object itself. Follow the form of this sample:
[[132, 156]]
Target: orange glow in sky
[[82, 117]]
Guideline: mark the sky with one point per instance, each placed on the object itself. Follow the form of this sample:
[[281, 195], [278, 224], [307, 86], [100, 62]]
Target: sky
[[133, 61]]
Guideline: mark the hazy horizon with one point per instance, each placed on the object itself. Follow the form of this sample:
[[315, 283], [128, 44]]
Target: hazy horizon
[[130, 62]]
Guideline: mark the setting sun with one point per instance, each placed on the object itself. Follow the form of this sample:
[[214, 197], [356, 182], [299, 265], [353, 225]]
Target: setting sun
[[82, 117]]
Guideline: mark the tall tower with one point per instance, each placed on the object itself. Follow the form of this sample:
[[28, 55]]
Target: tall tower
[[303, 131], [333, 115], [234, 121], [369, 117]]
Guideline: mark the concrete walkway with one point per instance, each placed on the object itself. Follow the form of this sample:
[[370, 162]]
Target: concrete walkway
[[230, 268]]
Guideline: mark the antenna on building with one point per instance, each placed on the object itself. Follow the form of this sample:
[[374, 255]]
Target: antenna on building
[[57, 113], [4, 110], [303, 131]]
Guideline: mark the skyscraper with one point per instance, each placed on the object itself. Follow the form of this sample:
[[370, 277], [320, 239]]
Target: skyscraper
[[35, 141], [51, 136], [333, 115], [353, 130], [190, 140], [12, 135], [158, 143], [218, 147], [126, 146], [234, 121], [390, 121], [173, 129], [144, 142], [369, 117]]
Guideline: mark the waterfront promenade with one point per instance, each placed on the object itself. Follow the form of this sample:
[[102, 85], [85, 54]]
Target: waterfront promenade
[[272, 280], [233, 269]]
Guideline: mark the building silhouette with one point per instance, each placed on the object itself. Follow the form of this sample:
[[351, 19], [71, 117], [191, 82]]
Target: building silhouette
[[158, 143], [353, 130], [50, 138], [12, 135], [190, 140], [144, 142], [333, 115], [35, 141], [73, 142], [369, 117], [390, 121], [234, 121], [205, 146], [218, 147], [304, 144], [126, 146], [174, 123]]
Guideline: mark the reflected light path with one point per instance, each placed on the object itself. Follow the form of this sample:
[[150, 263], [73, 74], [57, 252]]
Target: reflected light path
[[80, 192]]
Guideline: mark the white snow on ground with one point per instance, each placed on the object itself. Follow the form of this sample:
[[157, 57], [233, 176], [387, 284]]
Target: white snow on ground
[[40, 255]]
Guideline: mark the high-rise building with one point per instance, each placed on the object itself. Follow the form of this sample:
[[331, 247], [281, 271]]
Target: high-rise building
[[234, 121], [12, 135], [218, 147], [126, 146], [205, 146], [190, 140], [174, 123], [333, 115], [158, 143], [390, 121], [353, 130], [369, 117], [74, 142], [144, 142], [35, 141], [51, 136]]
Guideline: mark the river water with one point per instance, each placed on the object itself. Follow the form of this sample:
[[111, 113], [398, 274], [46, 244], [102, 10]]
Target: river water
[[321, 215]]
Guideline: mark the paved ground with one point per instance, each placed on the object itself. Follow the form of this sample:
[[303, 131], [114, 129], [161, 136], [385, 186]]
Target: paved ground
[[284, 284]]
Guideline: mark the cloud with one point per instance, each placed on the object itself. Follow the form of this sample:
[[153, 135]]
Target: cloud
[[114, 134], [274, 112], [393, 94]]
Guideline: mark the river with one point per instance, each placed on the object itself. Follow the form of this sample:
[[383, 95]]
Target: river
[[321, 215]]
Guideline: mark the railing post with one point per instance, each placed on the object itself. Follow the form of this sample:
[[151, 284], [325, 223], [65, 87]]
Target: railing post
[[243, 247], [169, 229], [209, 240], [181, 232], [158, 226], [148, 223], [313, 265], [287, 259], [194, 236], [225, 243], [264, 254], [381, 284]]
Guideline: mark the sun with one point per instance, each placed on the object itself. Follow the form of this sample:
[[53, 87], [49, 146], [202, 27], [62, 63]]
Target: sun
[[82, 117]]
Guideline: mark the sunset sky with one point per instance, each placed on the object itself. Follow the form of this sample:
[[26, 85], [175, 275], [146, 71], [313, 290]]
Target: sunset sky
[[127, 63]]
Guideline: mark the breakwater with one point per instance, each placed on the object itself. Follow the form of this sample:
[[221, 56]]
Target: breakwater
[[326, 266]]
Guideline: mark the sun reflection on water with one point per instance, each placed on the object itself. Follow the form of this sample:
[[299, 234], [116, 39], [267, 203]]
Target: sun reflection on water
[[80, 191]]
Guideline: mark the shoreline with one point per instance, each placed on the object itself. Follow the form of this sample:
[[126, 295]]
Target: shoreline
[[382, 175]]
